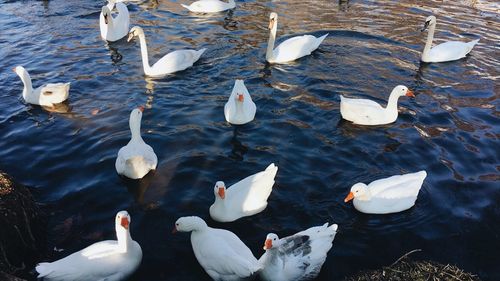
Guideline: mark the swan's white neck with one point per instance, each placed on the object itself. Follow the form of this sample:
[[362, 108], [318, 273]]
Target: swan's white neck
[[28, 88], [428, 44], [272, 39], [135, 129], [392, 103], [144, 53], [123, 237]]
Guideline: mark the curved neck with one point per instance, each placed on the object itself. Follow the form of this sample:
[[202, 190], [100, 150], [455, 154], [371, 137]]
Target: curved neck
[[135, 129], [124, 238], [392, 103], [272, 39], [428, 44], [144, 53], [28, 88]]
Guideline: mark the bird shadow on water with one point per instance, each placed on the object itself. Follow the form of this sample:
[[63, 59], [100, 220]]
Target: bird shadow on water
[[238, 149]]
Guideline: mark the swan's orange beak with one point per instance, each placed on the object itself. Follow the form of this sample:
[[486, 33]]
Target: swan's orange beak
[[124, 222], [222, 192], [141, 108], [271, 23], [349, 197], [14, 69], [240, 97], [268, 244], [409, 93], [174, 231]]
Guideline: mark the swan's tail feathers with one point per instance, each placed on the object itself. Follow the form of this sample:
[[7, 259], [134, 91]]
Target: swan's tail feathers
[[422, 174], [43, 269], [186, 6], [474, 42], [199, 53], [320, 40], [273, 169], [334, 227]]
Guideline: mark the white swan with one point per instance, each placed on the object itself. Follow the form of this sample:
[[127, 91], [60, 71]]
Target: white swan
[[109, 260], [220, 252], [239, 109], [448, 51], [296, 257], [210, 6], [368, 112], [137, 158], [291, 49], [114, 28], [170, 63], [45, 95], [244, 198], [389, 195]]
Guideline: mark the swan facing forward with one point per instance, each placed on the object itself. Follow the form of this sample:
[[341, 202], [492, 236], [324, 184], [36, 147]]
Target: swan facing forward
[[296, 257], [170, 63], [210, 6], [390, 195], [114, 28], [291, 49], [110, 260], [220, 252], [368, 112], [45, 95], [137, 158], [448, 51], [239, 109]]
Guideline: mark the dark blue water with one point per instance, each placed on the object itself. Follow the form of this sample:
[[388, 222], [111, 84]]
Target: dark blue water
[[451, 129]]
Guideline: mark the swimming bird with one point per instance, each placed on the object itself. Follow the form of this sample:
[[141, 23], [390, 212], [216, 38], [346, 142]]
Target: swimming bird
[[389, 195], [114, 28], [296, 257], [210, 6], [137, 158], [368, 112], [244, 198], [170, 63], [220, 252], [239, 109], [447, 51], [110, 260], [45, 95], [291, 49]]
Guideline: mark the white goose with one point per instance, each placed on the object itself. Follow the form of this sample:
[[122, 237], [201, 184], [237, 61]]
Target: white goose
[[220, 252], [210, 6], [114, 28], [245, 198], [389, 195], [137, 158], [170, 63], [239, 109], [296, 257], [368, 112], [109, 260], [291, 49], [45, 95], [448, 51]]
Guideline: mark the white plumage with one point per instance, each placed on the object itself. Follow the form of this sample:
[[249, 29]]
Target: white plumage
[[137, 158], [291, 49], [448, 51], [389, 195], [210, 6], [114, 28], [367, 112], [170, 63], [296, 257], [244, 198], [110, 260], [220, 252], [239, 109]]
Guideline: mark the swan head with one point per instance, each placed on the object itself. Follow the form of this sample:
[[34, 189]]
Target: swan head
[[402, 91], [19, 70], [188, 224], [122, 220], [106, 13], [220, 190], [429, 21], [272, 240], [135, 31], [239, 97], [358, 190], [135, 118], [273, 18]]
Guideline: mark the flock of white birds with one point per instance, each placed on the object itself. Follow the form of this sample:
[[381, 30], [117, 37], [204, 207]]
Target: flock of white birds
[[220, 252]]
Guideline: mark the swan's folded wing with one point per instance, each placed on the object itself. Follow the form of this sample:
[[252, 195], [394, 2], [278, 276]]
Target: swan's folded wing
[[451, 50], [398, 186], [54, 93], [294, 252], [294, 48], [177, 60]]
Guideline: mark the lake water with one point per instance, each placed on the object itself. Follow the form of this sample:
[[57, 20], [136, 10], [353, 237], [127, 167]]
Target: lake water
[[451, 129]]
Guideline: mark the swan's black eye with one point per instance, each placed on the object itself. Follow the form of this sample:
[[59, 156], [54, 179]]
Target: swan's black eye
[[177, 224]]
